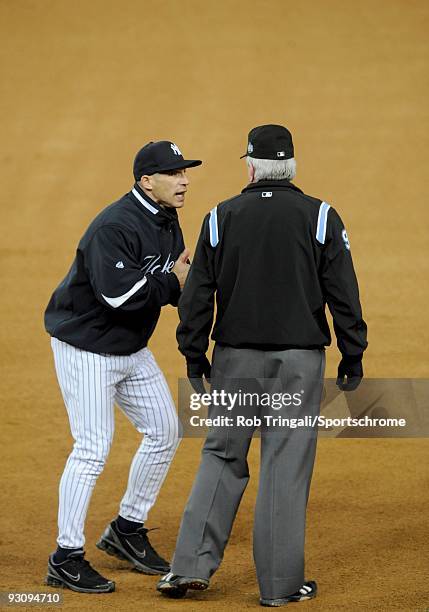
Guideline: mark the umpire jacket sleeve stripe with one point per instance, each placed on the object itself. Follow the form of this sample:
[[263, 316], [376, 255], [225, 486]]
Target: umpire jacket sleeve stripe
[[214, 233], [115, 302], [321, 222]]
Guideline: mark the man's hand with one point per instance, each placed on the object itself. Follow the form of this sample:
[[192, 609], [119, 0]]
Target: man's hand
[[181, 267], [196, 369], [352, 368]]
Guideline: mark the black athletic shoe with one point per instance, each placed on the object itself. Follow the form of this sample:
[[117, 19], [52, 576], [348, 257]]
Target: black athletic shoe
[[76, 574], [307, 591], [176, 586], [134, 547]]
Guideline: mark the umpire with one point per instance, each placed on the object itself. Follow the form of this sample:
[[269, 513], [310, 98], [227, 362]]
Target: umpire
[[274, 257]]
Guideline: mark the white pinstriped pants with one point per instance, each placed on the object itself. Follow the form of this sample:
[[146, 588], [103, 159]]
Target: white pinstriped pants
[[90, 384]]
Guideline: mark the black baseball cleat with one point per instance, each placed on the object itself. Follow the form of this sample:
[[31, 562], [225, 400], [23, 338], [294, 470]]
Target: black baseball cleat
[[76, 574], [176, 586], [133, 547], [307, 591]]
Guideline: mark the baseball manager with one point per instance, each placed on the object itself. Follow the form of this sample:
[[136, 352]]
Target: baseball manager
[[274, 257], [130, 262]]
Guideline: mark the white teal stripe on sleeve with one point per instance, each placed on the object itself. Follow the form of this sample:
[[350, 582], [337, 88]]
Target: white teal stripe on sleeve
[[322, 221], [214, 233]]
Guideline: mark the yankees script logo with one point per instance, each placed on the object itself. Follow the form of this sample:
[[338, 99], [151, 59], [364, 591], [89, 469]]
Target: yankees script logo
[[152, 264]]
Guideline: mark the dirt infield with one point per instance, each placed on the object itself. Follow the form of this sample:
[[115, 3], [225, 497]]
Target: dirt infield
[[84, 85]]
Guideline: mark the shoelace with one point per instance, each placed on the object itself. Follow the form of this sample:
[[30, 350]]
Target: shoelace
[[80, 563], [143, 531]]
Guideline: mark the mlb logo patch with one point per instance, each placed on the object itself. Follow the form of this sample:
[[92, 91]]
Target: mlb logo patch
[[267, 194]]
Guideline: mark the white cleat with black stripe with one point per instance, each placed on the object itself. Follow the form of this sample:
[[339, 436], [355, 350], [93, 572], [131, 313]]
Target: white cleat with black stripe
[[307, 591], [176, 587]]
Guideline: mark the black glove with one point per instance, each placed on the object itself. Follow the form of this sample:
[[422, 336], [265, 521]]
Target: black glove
[[352, 368], [195, 370]]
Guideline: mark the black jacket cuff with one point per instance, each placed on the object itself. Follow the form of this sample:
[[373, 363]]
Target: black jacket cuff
[[351, 359], [174, 286], [199, 359]]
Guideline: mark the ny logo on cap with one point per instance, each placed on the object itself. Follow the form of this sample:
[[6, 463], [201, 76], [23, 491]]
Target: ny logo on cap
[[250, 148], [176, 149]]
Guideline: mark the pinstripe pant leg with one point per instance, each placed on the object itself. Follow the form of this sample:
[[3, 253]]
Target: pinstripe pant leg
[[145, 398], [87, 382]]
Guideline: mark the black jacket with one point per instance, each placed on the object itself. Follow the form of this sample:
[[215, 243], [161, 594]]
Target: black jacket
[[274, 257], [111, 298]]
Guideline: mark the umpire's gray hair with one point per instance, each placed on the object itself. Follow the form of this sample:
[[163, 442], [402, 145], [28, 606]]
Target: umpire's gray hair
[[276, 169]]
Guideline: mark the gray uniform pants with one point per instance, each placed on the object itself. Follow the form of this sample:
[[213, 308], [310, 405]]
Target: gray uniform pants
[[287, 458]]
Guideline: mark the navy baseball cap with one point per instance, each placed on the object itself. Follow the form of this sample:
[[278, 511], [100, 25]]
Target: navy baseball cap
[[160, 156], [269, 142]]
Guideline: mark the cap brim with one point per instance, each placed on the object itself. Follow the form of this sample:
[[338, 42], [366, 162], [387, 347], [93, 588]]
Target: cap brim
[[181, 165], [245, 155]]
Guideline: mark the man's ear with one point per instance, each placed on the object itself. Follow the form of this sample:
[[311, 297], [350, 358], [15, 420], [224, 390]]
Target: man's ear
[[146, 182], [251, 172]]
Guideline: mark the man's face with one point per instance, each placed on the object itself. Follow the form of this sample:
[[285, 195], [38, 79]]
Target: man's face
[[168, 188]]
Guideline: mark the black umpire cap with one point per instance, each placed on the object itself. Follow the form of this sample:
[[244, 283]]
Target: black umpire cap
[[160, 156], [269, 142]]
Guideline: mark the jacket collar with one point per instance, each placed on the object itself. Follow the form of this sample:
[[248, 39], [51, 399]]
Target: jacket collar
[[272, 186], [152, 208]]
